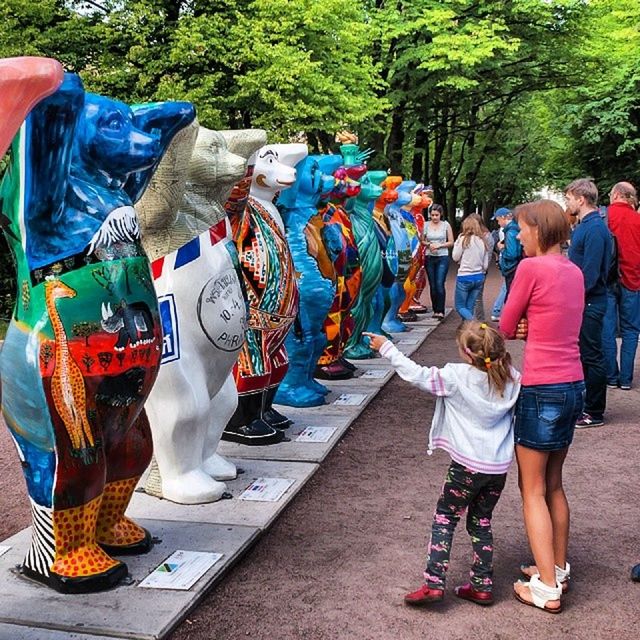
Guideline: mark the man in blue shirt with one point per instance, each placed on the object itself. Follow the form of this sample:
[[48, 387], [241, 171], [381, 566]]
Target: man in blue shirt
[[591, 251]]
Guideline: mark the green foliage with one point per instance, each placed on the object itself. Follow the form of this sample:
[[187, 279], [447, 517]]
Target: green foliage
[[486, 99]]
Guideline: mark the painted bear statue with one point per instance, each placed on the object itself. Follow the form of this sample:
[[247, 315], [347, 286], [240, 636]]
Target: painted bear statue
[[316, 283], [388, 250], [402, 243], [370, 262], [83, 347], [272, 290], [338, 324], [202, 306]]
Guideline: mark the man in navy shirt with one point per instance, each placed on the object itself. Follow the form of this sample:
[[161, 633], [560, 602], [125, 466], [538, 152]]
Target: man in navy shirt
[[591, 251]]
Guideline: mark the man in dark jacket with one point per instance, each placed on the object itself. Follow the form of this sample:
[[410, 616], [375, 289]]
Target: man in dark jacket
[[591, 251]]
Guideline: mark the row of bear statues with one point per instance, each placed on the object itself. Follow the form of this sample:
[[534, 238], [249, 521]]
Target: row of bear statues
[[173, 282]]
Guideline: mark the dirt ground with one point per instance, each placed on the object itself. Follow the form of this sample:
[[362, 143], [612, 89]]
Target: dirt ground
[[337, 562]]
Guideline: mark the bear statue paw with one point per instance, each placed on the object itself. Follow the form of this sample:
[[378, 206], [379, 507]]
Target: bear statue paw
[[193, 487], [219, 468]]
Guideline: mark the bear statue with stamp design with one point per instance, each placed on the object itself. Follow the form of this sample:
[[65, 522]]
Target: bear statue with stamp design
[[74, 384], [187, 234]]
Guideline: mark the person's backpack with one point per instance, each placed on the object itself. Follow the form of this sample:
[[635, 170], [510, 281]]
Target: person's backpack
[[613, 273]]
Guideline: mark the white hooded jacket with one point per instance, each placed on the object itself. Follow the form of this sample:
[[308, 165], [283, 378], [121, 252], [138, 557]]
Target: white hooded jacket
[[472, 422]]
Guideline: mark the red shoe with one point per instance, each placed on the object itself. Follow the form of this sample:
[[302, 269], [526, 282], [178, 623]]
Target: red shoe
[[467, 592], [423, 595]]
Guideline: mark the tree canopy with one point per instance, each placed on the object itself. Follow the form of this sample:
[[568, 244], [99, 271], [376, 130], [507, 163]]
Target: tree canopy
[[486, 100]]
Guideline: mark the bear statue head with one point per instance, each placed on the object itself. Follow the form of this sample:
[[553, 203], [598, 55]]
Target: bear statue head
[[310, 184]]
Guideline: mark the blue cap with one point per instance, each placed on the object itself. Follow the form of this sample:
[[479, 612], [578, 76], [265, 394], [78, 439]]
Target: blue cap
[[501, 212]]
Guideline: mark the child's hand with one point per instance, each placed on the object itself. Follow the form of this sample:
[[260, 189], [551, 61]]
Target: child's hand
[[522, 330], [375, 341]]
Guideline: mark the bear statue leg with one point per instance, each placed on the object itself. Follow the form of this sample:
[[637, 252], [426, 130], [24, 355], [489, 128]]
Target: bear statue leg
[[127, 459], [64, 554], [244, 427], [180, 410], [223, 406]]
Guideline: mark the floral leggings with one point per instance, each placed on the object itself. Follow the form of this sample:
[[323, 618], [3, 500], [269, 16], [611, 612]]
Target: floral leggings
[[479, 493]]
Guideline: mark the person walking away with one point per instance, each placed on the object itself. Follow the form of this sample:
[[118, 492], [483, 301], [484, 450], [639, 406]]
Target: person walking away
[[511, 249], [438, 238], [478, 309], [471, 251], [623, 305], [590, 250], [497, 249], [472, 422], [545, 306]]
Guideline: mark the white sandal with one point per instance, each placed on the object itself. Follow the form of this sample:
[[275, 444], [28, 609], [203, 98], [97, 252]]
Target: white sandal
[[563, 576], [541, 594]]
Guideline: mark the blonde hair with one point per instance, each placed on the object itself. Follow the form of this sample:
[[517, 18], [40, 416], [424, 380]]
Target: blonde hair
[[487, 350], [471, 227]]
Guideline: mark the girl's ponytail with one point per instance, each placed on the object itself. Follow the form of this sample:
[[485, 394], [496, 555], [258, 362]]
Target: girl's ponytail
[[487, 350]]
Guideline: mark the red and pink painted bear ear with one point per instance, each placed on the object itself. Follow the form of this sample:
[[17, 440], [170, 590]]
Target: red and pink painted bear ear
[[23, 83]]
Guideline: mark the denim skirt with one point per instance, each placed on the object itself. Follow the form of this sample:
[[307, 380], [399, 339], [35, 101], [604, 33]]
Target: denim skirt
[[546, 414]]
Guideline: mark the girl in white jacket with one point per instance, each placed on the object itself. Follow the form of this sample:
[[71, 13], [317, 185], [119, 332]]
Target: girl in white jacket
[[473, 424]]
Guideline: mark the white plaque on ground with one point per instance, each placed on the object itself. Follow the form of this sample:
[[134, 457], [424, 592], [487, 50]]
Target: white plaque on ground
[[266, 489], [181, 570], [316, 434], [350, 399], [3, 549], [408, 341], [376, 374]]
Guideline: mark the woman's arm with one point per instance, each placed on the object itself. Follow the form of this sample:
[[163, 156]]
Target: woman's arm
[[449, 242], [515, 308], [456, 254]]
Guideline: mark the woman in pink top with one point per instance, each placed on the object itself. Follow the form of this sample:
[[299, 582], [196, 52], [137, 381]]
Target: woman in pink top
[[545, 303]]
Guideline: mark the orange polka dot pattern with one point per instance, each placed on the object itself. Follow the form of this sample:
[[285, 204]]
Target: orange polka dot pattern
[[113, 527], [77, 554]]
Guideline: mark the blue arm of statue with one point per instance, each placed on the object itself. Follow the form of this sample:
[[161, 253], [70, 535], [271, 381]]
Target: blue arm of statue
[[164, 119], [51, 127]]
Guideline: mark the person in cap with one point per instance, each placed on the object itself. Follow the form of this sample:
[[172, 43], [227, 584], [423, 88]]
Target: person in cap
[[510, 248]]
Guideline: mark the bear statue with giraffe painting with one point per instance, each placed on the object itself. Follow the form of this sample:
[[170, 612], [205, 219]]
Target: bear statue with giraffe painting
[[83, 347]]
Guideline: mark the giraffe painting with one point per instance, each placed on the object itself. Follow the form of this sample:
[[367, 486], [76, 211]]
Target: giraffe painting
[[67, 382]]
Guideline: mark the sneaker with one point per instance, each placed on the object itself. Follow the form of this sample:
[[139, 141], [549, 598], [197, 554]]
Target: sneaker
[[612, 385], [587, 421], [467, 592], [495, 318], [423, 595], [625, 387]]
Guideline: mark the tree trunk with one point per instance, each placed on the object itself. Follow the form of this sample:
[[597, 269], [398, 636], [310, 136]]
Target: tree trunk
[[418, 167], [395, 142]]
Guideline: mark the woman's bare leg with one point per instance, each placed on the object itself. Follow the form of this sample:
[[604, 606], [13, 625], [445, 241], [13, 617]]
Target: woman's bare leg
[[532, 477], [558, 506]]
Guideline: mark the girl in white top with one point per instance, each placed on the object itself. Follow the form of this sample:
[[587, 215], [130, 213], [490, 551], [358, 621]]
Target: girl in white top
[[473, 423], [471, 251]]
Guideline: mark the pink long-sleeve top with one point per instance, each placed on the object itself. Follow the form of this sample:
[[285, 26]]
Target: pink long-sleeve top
[[549, 291]]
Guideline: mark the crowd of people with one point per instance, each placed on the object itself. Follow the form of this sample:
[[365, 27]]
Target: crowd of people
[[571, 285]]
